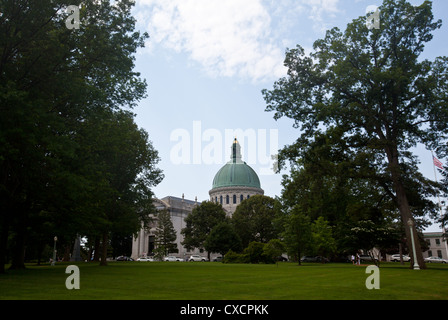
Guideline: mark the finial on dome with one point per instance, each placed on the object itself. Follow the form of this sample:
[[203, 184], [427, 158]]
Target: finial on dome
[[236, 151]]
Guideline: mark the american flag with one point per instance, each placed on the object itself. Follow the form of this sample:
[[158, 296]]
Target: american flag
[[437, 163]]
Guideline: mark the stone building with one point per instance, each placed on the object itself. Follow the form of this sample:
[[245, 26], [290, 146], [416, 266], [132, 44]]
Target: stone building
[[437, 245], [179, 209]]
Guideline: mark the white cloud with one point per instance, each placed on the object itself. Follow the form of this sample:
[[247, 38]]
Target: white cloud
[[320, 10], [235, 38], [227, 38]]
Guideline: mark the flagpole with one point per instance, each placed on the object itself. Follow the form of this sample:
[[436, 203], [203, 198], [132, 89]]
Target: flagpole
[[440, 206]]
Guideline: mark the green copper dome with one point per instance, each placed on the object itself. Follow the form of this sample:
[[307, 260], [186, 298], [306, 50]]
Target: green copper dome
[[236, 172]]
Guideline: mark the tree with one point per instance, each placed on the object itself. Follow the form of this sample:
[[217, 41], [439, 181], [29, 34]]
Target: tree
[[254, 218], [223, 238], [323, 241], [274, 249], [325, 181], [367, 235], [121, 170], [52, 79], [200, 223], [370, 85], [255, 253], [165, 234], [297, 235]]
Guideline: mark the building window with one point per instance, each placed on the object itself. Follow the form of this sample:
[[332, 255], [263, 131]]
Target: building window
[[439, 253], [216, 199], [234, 198], [437, 242], [241, 198], [220, 199], [429, 253], [227, 199], [248, 196]]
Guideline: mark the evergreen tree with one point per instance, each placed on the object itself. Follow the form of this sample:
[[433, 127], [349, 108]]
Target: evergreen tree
[[165, 234]]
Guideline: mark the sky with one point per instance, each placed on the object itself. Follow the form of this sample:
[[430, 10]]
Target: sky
[[206, 63]]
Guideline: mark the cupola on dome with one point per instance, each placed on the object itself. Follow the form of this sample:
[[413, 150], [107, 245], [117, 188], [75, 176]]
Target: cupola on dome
[[236, 172]]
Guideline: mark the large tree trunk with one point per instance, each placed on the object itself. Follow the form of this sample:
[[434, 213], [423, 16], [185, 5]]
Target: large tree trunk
[[403, 207], [18, 254], [19, 241], [299, 257], [97, 249], [104, 249], [4, 228], [406, 215]]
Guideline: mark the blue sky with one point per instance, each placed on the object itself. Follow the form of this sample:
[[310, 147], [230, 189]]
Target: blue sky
[[206, 63]]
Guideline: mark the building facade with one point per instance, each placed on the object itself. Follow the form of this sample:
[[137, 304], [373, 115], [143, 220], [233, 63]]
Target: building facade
[[437, 245], [179, 209]]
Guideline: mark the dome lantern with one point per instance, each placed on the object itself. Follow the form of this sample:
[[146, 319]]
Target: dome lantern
[[235, 181]]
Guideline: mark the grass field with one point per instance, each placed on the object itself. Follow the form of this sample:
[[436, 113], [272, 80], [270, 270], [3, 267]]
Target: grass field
[[217, 281]]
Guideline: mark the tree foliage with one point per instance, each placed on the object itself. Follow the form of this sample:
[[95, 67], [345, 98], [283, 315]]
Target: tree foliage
[[297, 235], [254, 219], [274, 249], [200, 223], [71, 160], [223, 238], [165, 235], [367, 235], [323, 241]]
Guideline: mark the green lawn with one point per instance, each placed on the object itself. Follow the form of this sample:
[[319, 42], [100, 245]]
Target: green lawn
[[217, 281]]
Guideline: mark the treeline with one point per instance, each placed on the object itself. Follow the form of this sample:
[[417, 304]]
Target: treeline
[[72, 159], [263, 229]]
